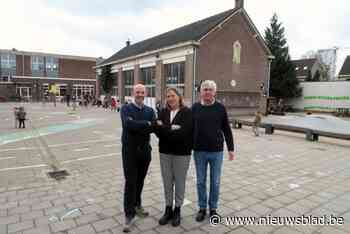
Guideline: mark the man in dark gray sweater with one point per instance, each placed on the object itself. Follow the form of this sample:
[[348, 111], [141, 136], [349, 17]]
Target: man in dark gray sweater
[[137, 120], [210, 128]]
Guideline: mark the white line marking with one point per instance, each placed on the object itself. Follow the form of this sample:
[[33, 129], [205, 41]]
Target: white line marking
[[89, 158], [25, 167], [56, 145], [82, 149], [15, 149], [293, 186], [78, 143], [112, 145], [6, 158]]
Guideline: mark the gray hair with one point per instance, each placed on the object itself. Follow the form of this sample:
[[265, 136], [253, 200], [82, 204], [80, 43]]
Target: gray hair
[[208, 84]]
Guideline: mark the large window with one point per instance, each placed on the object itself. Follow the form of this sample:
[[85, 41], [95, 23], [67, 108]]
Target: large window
[[62, 90], [8, 64], [148, 76], [175, 76], [79, 90], [128, 82], [24, 92], [37, 65], [115, 84], [51, 67]]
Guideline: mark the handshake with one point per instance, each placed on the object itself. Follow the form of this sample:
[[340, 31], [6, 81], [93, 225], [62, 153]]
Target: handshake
[[159, 123]]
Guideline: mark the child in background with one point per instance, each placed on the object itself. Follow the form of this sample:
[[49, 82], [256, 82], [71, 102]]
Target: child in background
[[21, 117], [15, 112], [113, 105], [118, 105], [256, 123]]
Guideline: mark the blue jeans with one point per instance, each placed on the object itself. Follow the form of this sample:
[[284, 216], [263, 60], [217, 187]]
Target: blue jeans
[[202, 160]]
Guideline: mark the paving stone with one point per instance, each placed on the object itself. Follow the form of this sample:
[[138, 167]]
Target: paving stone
[[169, 229], [240, 230], [146, 223], [215, 229], [9, 219], [39, 230], [109, 212], [62, 225], [105, 224], [8, 194], [327, 230], [3, 228], [260, 229], [86, 229], [89, 218], [249, 200], [20, 226], [260, 209], [91, 209], [32, 215], [286, 230], [19, 210], [272, 204], [41, 205], [9, 205]]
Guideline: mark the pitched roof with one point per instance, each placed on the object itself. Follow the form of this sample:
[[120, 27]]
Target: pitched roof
[[300, 64], [345, 70], [190, 32]]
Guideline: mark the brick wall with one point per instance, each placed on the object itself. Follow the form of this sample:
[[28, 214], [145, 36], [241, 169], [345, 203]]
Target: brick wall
[[215, 55], [69, 68]]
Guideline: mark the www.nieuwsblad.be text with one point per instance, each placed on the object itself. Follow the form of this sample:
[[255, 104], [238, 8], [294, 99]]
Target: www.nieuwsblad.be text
[[326, 220]]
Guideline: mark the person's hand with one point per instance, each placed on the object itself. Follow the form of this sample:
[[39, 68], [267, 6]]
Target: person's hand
[[231, 155], [175, 127], [159, 122]]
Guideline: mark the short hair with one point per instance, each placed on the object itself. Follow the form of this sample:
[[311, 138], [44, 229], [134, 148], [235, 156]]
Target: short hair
[[208, 84], [139, 86]]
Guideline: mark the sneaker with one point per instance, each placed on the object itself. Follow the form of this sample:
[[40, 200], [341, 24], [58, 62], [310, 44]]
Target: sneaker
[[128, 223], [140, 212], [201, 215]]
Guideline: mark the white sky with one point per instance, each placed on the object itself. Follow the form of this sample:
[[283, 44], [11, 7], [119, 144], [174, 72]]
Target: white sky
[[101, 27]]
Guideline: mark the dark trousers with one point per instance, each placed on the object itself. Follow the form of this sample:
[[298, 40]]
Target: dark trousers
[[21, 123], [135, 165]]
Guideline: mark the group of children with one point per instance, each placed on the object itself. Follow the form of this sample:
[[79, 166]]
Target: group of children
[[20, 117]]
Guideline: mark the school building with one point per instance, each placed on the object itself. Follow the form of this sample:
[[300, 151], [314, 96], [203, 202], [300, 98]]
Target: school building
[[28, 75], [226, 48]]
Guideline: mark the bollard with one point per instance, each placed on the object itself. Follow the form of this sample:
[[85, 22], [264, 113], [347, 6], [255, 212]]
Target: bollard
[[237, 124], [311, 136], [269, 129]]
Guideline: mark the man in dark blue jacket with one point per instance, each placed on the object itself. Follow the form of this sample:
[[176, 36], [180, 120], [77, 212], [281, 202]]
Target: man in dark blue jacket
[[137, 120]]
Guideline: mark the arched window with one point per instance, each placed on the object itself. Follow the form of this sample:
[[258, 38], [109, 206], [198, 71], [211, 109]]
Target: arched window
[[236, 52]]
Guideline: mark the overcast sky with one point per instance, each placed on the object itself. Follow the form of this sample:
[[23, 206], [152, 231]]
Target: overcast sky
[[101, 27]]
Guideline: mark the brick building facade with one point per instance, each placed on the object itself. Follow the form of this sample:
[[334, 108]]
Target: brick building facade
[[226, 48], [29, 75]]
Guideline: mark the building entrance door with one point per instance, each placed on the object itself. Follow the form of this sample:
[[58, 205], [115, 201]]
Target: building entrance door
[[24, 92]]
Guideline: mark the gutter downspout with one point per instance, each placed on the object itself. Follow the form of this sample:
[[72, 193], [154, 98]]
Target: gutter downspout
[[194, 74], [22, 64], [270, 58]]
